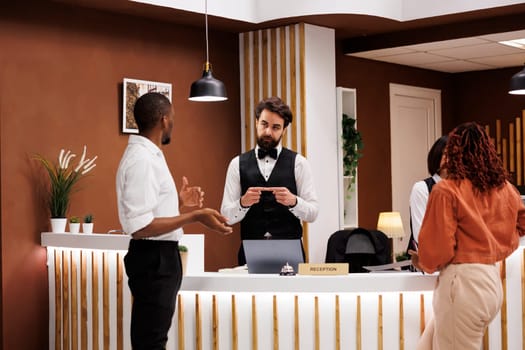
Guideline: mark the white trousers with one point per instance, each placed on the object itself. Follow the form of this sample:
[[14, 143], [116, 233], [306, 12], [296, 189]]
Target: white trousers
[[466, 299]]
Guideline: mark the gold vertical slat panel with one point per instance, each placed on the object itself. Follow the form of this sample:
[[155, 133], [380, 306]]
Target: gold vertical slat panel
[[498, 136], [293, 87], [254, 323], [180, 319], [58, 299], [256, 67], [296, 326], [198, 323], [273, 61], [380, 322], [248, 125], [518, 151], [74, 302], [512, 147], [358, 324], [302, 88], [105, 300], [235, 332], [401, 323], [522, 146], [421, 313], [83, 302], [337, 324], [317, 335], [65, 300], [215, 323], [120, 301], [275, 324], [94, 302], [282, 62], [264, 63], [503, 310]]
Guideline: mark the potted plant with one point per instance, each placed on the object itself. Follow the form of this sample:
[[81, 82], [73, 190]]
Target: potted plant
[[74, 224], [352, 146], [63, 178], [183, 250], [87, 225]]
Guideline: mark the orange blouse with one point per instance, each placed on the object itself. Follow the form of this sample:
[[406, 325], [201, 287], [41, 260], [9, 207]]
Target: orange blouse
[[461, 226]]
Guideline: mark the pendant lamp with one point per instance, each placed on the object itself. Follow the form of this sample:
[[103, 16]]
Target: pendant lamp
[[207, 88], [517, 83]]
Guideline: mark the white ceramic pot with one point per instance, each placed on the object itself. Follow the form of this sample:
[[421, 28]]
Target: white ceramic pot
[[58, 225], [74, 227], [87, 227]]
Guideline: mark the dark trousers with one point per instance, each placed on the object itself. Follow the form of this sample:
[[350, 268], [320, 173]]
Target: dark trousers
[[154, 272]]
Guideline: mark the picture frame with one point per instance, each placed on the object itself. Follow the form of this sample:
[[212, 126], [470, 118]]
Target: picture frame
[[132, 90]]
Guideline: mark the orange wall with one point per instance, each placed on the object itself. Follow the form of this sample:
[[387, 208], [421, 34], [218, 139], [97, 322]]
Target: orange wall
[[61, 71]]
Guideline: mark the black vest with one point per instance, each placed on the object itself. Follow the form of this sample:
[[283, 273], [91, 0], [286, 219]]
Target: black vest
[[268, 215]]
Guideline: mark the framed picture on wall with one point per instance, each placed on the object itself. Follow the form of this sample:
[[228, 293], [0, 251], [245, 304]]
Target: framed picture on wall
[[133, 89]]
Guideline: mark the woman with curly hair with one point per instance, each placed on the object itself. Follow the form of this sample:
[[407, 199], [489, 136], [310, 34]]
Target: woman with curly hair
[[473, 220]]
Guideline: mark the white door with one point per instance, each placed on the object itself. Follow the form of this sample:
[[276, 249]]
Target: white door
[[415, 124]]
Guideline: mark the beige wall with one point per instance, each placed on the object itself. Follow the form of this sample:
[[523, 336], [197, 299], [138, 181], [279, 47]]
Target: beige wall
[[61, 72]]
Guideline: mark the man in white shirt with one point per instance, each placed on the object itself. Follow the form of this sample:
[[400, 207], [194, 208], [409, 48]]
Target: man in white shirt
[[269, 189], [148, 207], [421, 189]]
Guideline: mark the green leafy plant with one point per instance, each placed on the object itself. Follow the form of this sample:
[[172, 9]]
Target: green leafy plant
[[183, 248], [88, 219], [63, 178], [74, 220], [352, 147]]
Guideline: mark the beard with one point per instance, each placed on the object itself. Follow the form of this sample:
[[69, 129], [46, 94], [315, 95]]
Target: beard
[[267, 142]]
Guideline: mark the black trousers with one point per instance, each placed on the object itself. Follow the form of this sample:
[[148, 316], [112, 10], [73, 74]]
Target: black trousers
[[154, 272]]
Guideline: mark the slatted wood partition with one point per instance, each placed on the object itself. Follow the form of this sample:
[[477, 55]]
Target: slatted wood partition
[[273, 64], [88, 298], [80, 281], [509, 140]]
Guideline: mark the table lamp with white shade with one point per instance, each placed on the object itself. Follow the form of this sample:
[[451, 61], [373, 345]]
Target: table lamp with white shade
[[391, 225]]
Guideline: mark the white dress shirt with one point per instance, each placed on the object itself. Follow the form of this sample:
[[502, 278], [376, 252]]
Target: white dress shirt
[[145, 188], [307, 205], [418, 204]]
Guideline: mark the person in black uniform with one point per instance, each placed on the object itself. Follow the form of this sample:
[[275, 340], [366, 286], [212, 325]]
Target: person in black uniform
[[269, 189]]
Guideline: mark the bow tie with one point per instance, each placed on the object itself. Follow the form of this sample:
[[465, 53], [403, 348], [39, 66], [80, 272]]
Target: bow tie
[[261, 153]]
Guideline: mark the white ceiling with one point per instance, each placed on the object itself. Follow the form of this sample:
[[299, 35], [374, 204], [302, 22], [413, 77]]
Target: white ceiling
[[454, 56]]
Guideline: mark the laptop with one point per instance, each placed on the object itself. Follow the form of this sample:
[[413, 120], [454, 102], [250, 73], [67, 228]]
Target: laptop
[[270, 255]]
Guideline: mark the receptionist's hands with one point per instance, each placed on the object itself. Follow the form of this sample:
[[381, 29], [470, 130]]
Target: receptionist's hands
[[284, 196], [252, 196]]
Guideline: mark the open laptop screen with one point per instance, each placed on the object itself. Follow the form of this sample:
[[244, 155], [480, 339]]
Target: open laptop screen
[[270, 255]]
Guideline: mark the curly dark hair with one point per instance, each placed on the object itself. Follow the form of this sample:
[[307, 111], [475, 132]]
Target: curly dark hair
[[470, 154], [275, 105]]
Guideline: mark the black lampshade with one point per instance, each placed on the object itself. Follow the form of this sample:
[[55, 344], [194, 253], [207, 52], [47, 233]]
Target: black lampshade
[[207, 88], [517, 83]]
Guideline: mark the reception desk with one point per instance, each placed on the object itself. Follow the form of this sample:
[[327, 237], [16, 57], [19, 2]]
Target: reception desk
[[90, 304]]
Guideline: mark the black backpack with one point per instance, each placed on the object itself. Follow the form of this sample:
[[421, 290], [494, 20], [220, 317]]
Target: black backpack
[[370, 248]]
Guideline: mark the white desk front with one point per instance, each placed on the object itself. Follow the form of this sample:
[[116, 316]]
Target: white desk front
[[90, 306]]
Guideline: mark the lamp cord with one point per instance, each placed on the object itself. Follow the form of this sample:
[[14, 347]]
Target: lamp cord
[[206, 21]]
